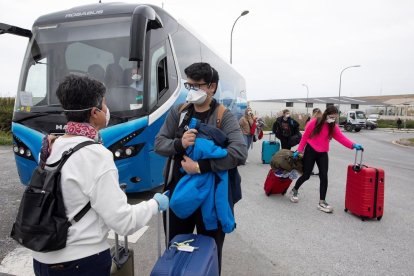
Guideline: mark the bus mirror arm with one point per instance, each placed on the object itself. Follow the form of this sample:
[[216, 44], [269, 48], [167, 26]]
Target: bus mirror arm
[[9, 29], [144, 19]]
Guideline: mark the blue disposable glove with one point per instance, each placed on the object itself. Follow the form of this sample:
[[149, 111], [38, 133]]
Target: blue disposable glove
[[162, 201], [295, 155], [357, 147]]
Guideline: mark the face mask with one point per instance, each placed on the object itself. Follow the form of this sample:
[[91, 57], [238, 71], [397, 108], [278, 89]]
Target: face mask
[[107, 116], [196, 97], [287, 115], [330, 121], [136, 77], [250, 113]]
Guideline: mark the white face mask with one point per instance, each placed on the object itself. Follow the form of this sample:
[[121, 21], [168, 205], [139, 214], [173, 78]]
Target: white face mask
[[136, 77], [196, 96], [107, 116], [250, 113], [287, 115], [329, 121]]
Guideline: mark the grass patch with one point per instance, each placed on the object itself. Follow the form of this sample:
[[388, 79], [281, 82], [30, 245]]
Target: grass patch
[[6, 138], [411, 140]]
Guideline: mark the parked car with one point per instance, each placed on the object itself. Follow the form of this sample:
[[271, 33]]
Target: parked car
[[373, 118], [371, 125]]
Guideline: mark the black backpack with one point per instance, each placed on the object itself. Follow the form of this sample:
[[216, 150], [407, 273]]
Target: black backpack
[[41, 223]]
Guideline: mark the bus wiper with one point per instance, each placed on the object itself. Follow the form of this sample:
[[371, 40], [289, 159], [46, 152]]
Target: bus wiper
[[38, 114]]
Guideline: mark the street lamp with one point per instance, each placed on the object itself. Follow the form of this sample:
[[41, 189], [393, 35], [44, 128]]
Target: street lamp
[[231, 35], [307, 97], [340, 79]]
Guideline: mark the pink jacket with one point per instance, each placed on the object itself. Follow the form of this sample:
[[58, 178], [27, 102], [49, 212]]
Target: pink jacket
[[320, 142]]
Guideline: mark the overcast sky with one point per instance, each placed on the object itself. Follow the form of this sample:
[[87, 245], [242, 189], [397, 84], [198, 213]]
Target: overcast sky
[[278, 46]]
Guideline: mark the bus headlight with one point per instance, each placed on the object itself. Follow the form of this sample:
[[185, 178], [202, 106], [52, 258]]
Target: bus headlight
[[20, 149], [128, 151]]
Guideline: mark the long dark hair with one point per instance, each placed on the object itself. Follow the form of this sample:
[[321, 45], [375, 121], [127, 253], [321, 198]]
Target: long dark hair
[[321, 121]]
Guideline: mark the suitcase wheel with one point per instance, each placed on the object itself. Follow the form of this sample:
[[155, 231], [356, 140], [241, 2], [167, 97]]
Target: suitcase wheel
[[379, 218], [346, 210]]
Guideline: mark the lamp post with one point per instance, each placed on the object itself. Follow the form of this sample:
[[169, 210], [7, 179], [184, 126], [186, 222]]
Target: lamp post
[[307, 97], [340, 79], [231, 35]]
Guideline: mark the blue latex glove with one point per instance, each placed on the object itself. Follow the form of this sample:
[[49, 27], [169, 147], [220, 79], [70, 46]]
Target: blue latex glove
[[162, 201], [295, 155], [357, 147]]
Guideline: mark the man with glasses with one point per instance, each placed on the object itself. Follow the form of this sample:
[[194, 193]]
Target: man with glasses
[[174, 137]]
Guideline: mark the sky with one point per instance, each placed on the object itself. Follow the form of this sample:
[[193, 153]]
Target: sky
[[278, 46]]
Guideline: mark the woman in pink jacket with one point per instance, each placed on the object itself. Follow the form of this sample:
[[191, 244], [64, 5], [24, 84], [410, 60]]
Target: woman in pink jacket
[[318, 133]]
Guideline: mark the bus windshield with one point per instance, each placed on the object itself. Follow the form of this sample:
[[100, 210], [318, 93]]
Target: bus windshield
[[97, 48]]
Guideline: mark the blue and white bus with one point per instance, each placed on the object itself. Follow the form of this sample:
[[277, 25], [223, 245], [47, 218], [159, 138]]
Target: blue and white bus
[[107, 42]]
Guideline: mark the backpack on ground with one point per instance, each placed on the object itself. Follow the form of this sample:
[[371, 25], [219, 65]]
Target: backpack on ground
[[41, 223]]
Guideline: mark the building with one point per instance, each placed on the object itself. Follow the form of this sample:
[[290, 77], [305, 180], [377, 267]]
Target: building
[[388, 106]]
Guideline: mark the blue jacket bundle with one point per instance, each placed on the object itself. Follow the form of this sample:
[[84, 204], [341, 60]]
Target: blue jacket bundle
[[209, 190]]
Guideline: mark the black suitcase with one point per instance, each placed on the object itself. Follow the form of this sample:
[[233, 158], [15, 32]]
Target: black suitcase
[[122, 256]]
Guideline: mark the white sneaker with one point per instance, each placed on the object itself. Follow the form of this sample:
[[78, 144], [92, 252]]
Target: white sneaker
[[325, 207], [294, 195]]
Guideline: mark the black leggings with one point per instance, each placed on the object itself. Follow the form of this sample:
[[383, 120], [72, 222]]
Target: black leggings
[[309, 158]]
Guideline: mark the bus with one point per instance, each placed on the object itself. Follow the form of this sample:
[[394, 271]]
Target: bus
[[111, 42]]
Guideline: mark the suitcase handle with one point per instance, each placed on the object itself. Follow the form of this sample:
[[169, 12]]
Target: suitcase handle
[[117, 257], [167, 231], [357, 167]]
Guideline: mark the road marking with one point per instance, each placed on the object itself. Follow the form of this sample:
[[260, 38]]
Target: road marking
[[20, 261]]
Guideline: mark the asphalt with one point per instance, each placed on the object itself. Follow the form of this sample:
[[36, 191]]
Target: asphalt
[[277, 237]]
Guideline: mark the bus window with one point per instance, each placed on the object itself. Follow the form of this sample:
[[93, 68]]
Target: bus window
[[158, 82], [36, 81]]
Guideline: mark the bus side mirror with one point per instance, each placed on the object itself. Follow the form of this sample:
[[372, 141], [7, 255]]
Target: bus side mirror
[[144, 19], [9, 29]]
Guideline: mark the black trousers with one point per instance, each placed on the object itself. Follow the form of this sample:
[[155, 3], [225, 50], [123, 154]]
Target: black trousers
[[285, 143], [186, 226], [310, 157]]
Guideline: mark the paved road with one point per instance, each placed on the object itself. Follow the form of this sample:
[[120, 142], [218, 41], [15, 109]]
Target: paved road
[[277, 237]]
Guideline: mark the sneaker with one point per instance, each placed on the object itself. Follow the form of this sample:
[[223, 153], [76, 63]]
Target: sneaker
[[325, 207], [294, 195]]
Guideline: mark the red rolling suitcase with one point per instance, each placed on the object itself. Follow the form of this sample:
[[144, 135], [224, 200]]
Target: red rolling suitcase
[[276, 185], [364, 195]]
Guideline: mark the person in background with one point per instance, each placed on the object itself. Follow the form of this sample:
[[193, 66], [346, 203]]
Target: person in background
[[90, 175], [399, 123], [315, 144], [248, 126], [284, 128], [316, 113]]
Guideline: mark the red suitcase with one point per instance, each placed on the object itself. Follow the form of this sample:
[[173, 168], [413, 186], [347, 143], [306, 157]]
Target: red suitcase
[[364, 195], [276, 185]]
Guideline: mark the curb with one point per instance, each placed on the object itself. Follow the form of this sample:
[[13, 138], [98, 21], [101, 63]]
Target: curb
[[395, 142]]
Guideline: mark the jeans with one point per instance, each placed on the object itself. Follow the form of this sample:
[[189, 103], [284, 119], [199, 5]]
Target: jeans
[[248, 140], [97, 264]]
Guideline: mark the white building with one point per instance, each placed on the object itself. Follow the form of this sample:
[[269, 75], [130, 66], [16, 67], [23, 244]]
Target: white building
[[392, 105]]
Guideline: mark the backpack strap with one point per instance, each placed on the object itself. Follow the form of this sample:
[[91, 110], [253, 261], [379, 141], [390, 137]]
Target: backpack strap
[[65, 157], [220, 111], [68, 153]]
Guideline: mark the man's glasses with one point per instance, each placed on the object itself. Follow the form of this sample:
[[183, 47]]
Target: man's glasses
[[194, 86]]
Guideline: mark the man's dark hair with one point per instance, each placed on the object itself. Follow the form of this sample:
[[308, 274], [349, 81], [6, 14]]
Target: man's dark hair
[[202, 71], [80, 92]]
